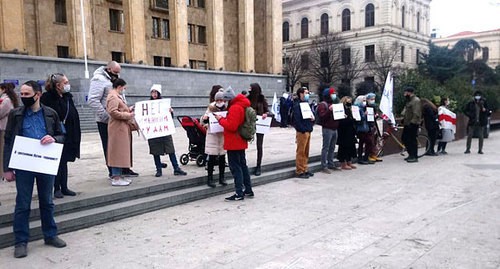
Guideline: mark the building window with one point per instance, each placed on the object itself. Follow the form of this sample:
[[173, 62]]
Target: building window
[[162, 61], [192, 64], [324, 24], [162, 4], [156, 27], [486, 53], [60, 11], [189, 2], [304, 61], [62, 52], [403, 16], [418, 22], [117, 56], [324, 59], [369, 15], [418, 56], [191, 33], [116, 20], [346, 56], [202, 35], [286, 32], [165, 29], [202, 65], [346, 20], [402, 54], [370, 53], [304, 28], [201, 4]]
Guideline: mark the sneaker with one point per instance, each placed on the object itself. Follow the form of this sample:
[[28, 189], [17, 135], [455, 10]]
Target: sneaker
[[179, 172], [119, 182], [303, 175], [326, 171], [309, 174], [467, 152], [249, 194], [58, 194], [21, 250], [412, 160], [129, 180], [55, 242], [129, 173], [234, 197]]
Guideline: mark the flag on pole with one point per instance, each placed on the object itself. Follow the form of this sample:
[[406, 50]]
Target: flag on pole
[[275, 108], [387, 98]]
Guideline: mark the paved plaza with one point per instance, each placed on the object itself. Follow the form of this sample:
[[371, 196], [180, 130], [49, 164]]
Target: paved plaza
[[443, 212]]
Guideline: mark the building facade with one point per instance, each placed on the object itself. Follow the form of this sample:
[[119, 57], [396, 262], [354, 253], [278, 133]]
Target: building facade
[[368, 30], [236, 35], [488, 40]]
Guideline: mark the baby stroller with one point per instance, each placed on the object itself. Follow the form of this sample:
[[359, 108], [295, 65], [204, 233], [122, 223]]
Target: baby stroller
[[196, 134]]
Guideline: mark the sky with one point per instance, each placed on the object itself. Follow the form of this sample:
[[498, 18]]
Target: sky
[[449, 17]]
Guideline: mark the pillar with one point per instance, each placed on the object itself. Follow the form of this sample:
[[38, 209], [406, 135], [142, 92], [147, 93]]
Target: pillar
[[215, 34], [12, 28], [135, 31], [179, 39], [75, 28], [246, 35], [274, 43]]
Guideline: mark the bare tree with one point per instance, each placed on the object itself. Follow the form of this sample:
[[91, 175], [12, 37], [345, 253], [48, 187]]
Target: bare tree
[[292, 68], [352, 65], [326, 59], [383, 59]]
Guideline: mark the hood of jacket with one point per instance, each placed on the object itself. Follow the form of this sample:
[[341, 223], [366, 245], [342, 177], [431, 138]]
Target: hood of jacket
[[101, 73], [240, 100]]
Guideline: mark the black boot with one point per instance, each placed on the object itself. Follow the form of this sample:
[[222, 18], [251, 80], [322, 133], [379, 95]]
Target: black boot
[[257, 171], [222, 170], [158, 173], [158, 165], [210, 181]]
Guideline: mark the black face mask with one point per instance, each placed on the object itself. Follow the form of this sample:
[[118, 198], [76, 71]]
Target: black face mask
[[113, 76], [28, 101], [407, 97]]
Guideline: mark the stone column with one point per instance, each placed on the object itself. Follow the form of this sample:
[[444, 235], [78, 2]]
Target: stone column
[[179, 39], [246, 35], [12, 29], [135, 31], [274, 14], [215, 34], [75, 28]]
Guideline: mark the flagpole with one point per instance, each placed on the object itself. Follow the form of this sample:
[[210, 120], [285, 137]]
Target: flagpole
[[84, 40]]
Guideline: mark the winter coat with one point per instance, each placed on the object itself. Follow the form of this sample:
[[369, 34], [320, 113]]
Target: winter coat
[[326, 116], [119, 132], [347, 129], [100, 85], [214, 142], [471, 111], [15, 127], [412, 113], [301, 125], [430, 118], [261, 105], [235, 117], [73, 136], [5, 107]]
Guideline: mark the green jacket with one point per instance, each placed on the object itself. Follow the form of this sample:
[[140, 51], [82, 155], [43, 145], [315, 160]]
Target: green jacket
[[412, 113]]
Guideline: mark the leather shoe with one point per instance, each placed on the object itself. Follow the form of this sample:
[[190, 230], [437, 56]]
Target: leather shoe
[[158, 173], [21, 250], [55, 242], [164, 165], [58, 194], [68, 192]]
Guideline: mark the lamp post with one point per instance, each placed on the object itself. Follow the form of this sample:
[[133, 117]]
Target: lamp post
[[87, 76]]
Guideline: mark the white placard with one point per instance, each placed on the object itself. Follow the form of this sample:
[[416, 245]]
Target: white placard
[[30, 155], [371, 114], [305, 108], [213, 123], [355, 113], [154, 118], [263, 126], [338, 111]]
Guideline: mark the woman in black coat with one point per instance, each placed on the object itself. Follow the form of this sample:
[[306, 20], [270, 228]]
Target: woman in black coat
[[259, 103], [59, 98], [430, 115], [347, 136]]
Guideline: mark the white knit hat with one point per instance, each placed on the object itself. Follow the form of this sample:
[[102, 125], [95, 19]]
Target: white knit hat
[[156, 87]]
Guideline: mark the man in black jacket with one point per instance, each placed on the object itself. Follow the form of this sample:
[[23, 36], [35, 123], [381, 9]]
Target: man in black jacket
[[477, 111], [37, 122]]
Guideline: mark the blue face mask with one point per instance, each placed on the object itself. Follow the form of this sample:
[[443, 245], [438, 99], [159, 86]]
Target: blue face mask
[[306, 97], [333, 96]]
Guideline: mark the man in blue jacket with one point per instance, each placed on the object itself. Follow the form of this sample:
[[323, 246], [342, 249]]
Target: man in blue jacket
[[304, 127]]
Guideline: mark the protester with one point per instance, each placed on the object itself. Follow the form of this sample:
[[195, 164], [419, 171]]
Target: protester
[[259, 103], [447, 125], [365, 144], [214, 142], [370, 102], [285, 107], [100, 85], [8, 101], [235, 144], [59, 98], [347, 136], [164, 144], [215, 89], [35, 121], [430, 116], [478, 112], [303, 128], [120, 133], [412, 117], [329, 129]]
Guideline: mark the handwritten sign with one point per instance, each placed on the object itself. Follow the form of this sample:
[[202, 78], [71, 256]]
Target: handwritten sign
[[355, 113], [213, 123], [371, 114], [263, 126], [306, 110], [338, 111], [154, 118], [30, 155]]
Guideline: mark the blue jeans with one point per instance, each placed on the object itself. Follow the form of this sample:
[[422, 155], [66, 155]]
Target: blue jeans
[[238, 166], [24, 186], [328, 149], [116, 171], [173, 160]]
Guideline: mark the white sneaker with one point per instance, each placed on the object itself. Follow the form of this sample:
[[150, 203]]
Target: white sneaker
[[119, 182], [129, 180]]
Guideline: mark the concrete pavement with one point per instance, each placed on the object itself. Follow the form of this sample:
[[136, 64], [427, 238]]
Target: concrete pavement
[[443, 212]]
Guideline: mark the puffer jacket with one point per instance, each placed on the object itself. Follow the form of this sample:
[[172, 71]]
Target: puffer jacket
[[100, 85], [235, 118], [214, 142]]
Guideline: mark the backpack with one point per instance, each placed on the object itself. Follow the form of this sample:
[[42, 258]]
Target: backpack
[[248, 128], [317, 118]]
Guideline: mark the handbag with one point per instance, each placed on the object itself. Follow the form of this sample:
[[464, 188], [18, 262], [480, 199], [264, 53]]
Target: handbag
[[133, 125], [63, 128]]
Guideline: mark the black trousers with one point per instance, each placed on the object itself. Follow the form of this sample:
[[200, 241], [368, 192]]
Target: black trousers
[[103, 133], [409, 137], [260, 142], [432, 133], [212, 159], [61, 179]]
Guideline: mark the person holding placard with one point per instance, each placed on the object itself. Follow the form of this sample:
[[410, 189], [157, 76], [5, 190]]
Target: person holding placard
[[35, 121], [371, 107], [214, 142], [259, 103], [329, 129], [304, 121], [347, 136], [365, 143]]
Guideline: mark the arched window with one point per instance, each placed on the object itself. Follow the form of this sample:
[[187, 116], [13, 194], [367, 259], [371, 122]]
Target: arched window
[[369, 15], [418, 22], [286, 32], [324, 24], [304, 28], [346, 20], [403, 16]]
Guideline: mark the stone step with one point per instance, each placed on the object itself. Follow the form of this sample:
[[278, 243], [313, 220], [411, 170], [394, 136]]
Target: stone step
[[105, 206]]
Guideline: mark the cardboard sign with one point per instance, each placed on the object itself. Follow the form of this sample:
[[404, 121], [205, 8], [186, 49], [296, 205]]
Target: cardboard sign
[[371, 114], [305, 108], [154, 118], [30, 155], [355, 113], [213, 123], [263, 126], [338, 111]]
